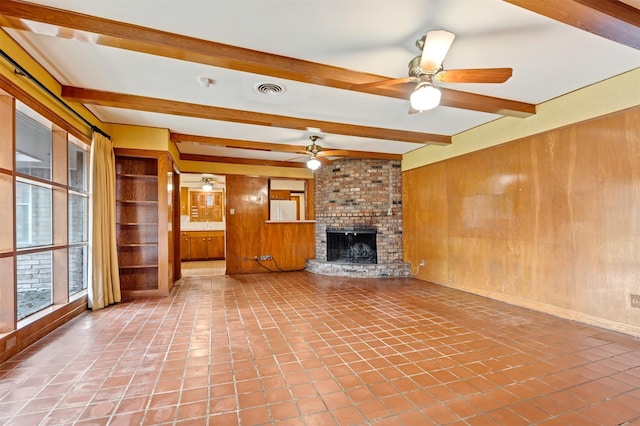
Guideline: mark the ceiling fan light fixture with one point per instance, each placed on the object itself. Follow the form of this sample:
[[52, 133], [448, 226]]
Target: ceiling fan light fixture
[[206, 184], [425, 97], [313, 163]]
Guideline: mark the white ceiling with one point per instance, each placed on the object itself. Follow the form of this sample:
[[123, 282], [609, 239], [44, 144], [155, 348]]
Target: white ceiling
[[548, 58]]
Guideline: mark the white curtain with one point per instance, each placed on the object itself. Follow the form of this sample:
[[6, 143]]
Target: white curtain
[[104, 288]]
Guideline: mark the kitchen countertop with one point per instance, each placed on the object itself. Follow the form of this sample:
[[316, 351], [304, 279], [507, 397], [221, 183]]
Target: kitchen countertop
[[202, 226]]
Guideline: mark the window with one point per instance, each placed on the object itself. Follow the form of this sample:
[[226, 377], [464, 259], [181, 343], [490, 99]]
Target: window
[[77, 165], [77, 269], [50, 189], [35, 282], [33, 214], [33, 144]]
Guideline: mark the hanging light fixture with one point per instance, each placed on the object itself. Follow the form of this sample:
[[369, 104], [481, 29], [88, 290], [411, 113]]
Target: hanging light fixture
[[313, 163], [425, 97], [206, 184]]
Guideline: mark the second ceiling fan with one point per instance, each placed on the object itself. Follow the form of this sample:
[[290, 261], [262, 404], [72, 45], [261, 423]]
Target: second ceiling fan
[[427, 68]]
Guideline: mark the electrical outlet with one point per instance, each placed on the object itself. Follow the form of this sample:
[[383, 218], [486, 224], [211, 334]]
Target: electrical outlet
[[635, 300], [422, 262]]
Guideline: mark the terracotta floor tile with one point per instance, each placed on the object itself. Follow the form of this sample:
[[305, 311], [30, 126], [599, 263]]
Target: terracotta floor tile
[[326, 386], [348, 415], [277, 395], [164, 399], [63, 416], [397, 403], [374, 409], [227, 419], [254, 416], [297, 348], [134, 404], [192, 410], [254, 399], [160, 415], [336, 399], [283, 410], [194, 395]]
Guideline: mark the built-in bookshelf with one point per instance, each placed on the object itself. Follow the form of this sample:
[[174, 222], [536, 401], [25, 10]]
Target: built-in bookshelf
[[140, 233]]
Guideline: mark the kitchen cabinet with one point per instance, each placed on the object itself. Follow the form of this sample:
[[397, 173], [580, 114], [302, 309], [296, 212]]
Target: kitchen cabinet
[[185, 251], [202, 245], [205, 206]]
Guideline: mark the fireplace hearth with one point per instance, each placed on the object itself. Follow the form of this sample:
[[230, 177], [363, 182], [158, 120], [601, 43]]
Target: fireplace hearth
[[361, 199], [352, 246]]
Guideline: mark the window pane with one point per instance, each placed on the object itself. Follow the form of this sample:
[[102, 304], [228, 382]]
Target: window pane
[[77, 167], [33, 146], [77, 218], [77, 269], [33, 215], [35, 289]]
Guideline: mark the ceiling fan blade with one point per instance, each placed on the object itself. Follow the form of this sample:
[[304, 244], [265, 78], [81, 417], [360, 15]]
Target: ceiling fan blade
[[296, 157], [333, 153], [436, 46], [477, 75], [383, 83]]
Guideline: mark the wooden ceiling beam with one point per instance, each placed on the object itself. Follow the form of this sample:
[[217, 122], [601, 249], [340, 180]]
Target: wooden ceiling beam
[[276, 147], [185, 109], [234, 160], [17, 14], [611, 19], [236, 143]]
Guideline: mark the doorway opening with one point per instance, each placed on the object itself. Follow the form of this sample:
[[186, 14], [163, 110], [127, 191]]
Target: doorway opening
[[202, 224]]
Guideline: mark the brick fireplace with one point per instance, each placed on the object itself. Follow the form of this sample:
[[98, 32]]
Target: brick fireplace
[[352, 195]]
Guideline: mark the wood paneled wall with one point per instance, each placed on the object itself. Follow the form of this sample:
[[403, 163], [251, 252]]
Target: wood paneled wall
[[248, 234], [550, 222]]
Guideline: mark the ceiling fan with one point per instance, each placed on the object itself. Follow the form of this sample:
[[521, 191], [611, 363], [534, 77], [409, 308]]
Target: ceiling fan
[[208, 182], [427, 68], [317, 155]]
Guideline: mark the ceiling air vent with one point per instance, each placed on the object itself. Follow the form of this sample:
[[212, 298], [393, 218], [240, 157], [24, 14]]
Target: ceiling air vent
[[269, 88]]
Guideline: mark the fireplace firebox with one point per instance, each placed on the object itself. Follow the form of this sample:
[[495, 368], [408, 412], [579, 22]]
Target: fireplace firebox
[[352, 245]]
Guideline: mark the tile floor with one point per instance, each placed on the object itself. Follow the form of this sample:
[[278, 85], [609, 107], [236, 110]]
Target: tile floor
[[303, 349]]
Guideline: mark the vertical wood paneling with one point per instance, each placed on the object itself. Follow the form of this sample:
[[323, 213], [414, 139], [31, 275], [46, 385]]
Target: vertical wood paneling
[[247, 197], [291, 244], [7, 131], [424, 201], [482, 198], [248, 235], [552, 219]]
